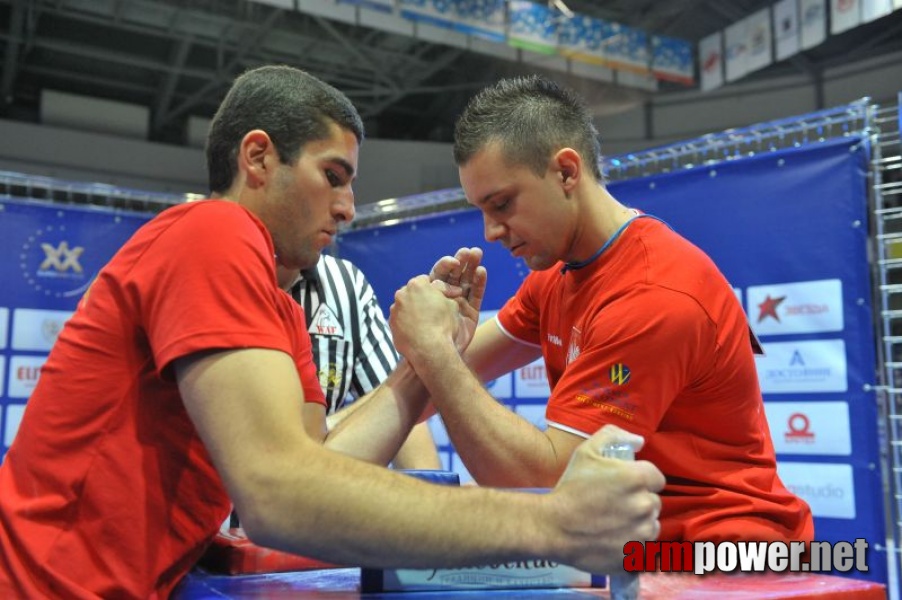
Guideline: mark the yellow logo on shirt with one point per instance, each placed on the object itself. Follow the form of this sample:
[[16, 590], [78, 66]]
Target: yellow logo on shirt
[[330, 378], [620, 374]]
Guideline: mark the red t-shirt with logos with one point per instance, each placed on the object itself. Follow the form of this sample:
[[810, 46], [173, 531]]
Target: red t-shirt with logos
[[107, 490], [651, 337]]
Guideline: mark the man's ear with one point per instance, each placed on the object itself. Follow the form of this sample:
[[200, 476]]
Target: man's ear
[[255, 155], [568, 164]]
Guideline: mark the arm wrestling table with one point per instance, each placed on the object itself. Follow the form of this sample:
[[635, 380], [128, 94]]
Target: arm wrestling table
[[344, 584]]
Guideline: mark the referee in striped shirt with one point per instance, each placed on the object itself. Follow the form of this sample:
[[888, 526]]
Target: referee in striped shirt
[[351, 342]]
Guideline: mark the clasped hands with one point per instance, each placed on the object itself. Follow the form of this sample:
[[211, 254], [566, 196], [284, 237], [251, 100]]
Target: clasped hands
[[440, 307]]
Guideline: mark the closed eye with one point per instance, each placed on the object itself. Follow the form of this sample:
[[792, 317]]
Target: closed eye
[[334, 178], [501, 206]]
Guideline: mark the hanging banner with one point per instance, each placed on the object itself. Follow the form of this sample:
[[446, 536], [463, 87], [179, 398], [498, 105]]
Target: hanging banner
[[385, 6], [481, 18], [532, 26], [710, 60], [758, 40], [736, 50], [628, 50], [813, 15], [874, 9], [587, 39], [786, 28], [844, 15], [59, 250], [672, 60]]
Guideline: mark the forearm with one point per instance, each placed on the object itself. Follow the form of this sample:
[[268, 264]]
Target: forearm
[[418, 451], [499, 447], [376, 429], [377, 518]]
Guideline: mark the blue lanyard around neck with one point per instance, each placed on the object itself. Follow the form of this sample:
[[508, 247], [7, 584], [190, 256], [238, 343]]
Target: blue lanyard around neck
[[571, 266]]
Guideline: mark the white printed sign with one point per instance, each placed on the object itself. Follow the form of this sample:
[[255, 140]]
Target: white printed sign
[[828, 489], [14, 414], [24, 372], [531, 381], [4, 327], [817, 428], [37, 329], [804, 307], [794, 367]]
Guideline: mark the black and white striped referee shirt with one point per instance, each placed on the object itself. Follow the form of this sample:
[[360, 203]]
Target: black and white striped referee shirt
[[351, 340]]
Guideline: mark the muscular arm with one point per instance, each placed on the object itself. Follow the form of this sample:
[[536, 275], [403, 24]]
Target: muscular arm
[[289, 489], [499, 447]]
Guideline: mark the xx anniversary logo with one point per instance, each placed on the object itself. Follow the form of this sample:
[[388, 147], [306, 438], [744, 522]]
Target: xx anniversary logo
[[51, 263]]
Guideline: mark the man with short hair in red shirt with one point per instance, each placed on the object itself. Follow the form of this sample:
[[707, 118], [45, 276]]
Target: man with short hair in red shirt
[[184, 379], [636, 325]]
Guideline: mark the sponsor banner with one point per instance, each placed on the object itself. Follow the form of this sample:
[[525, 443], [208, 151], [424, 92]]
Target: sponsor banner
[[786, 28], [528, 574], [11, 422], [710, 60], [286, 4], [486, 315], [758, 40], [736, 50], [24, 372], [600, 42], [874, 9], [587, 39], [817, 428], [804, 307], [794, 367], [439, 433], [813, 19], [4, 326], [37, 329], [828, 489], [531, 381], [672, 60], [458, 466], [628, 50], [483, 18], [532, 27], [844, 15], [502, 387], [534, 413]]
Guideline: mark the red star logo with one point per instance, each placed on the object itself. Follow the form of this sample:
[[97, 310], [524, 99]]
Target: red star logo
[[768, 308]]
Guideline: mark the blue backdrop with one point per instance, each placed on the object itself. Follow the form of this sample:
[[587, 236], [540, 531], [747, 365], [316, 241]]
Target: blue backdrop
[[789, 230], [51, 255]]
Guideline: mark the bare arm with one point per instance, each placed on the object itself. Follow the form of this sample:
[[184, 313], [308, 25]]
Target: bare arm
[[418, 451], [288, 488], [499, 447], [375, 427]]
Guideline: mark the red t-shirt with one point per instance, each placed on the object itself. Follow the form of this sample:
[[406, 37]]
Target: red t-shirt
[[107, 490], [651, 337]]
